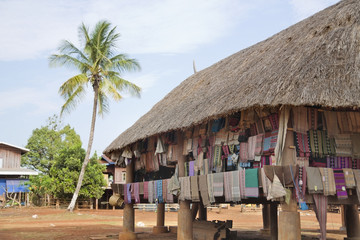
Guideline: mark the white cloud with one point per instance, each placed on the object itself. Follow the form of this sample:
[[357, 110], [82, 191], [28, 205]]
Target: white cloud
[[306, 8], [35, 100], [32, 28]]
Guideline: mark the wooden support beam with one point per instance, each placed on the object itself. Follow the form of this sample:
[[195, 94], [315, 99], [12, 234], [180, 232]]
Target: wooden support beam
[[185, 222], [273, 221], [129, 217], [160, 220], [202, 212], [352, 222], [266, 218]]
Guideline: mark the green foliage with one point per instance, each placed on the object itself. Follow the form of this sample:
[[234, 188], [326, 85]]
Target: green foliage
[[45, 144], [99, 66], [57, 153], [65, 173]]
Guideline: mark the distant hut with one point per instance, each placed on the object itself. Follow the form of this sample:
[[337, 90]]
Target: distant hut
[[300, 89]]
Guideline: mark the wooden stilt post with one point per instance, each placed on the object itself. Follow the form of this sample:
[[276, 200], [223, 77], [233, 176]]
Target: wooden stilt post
[[96, 204], [194, 210], [91, 203], [352, 222], [202, 212], [185, 223], [160, 220], [57, 204], [129, 214], [273, 221], [266, 218]]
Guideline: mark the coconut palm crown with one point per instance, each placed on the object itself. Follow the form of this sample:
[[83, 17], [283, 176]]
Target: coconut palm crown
[[100, 67]]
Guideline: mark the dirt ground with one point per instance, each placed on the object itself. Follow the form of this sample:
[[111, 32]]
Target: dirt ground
[[47, 223]]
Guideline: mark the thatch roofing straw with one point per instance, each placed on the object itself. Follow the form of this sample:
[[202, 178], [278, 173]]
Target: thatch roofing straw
[[314, 62]]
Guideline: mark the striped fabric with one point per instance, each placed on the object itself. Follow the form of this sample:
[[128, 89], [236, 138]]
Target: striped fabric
[[328, 181], [265, 182], [146, 190], [136, 192], [203, 187], [321, 203], [343, 145], [259, 144], [242, 183], [194, 189], [210, 181], [312, 118], [227, 186], [151, 191], [251, 148], [300, 119], [302, 144], [243, 153], [218, 184], [235, 191], [340, 184], [349, 178]]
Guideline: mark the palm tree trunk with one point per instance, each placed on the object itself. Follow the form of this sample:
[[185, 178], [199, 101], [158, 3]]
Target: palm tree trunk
[[87, 156]]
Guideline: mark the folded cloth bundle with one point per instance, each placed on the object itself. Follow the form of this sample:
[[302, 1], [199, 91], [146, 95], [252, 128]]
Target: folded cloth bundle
[[314, 181]]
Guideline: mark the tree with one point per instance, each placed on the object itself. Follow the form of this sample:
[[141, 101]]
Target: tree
[[46, 142], [65, 172], [101, 68]]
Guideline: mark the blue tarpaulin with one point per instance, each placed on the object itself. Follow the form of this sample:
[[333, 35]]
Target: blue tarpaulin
[[17, 185], [2, 186]]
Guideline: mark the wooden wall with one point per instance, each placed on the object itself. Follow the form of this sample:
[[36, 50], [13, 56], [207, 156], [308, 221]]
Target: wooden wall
[[11, 157]]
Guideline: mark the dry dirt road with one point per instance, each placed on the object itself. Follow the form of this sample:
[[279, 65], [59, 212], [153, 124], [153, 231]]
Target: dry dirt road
[[47, 223]]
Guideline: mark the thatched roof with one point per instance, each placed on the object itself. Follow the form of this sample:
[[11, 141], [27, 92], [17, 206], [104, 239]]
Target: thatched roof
[[314, 62]]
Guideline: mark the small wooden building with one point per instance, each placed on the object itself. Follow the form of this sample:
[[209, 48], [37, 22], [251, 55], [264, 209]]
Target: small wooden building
[[13, 178], [299, 90]]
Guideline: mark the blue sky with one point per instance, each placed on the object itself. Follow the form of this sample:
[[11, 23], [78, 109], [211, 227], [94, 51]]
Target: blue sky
[[165, 36]]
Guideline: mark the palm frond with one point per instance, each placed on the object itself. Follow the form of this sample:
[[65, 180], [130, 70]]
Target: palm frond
[[122, 63], [68, 61], [103, 103], [68, 87], [109, 89], [72, 100], [123, 85]]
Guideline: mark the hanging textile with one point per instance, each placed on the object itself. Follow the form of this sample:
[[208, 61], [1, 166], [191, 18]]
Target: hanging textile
[[343, 122], [259, 144], [312, 118], [354, 119], [331, 123], [217, 157], [242, 183], [203, 186], [349, 178], [357, 180], [343, 162], [314, 180], [164, 190], [194, 189], [235, 190], [265, 182], [151, 191], [185, 193], [300, 123], [218, 124], [210, 182], [328, 181], [274, 121], [251, 183], [301, 144], [270, 142], [128, 193], [331, 162], [159, 147], [340, 184], [169, 195], [136, 192], [321, 203], [146, 190], [227, 186], [280, 142], [355, 143], [191, 168], [251, 148], [218, 184], [243, 152], [265, 160]]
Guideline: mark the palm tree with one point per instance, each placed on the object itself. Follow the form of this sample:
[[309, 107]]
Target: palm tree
[[101, 68]]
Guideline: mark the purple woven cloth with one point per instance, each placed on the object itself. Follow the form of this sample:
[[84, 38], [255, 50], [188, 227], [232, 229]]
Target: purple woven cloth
[[340, 183], [191, 168]]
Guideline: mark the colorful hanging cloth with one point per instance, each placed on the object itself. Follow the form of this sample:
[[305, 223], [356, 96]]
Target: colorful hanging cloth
[[251, 183], [218, 184], [227, 186], [349, 178], [340, 184], [302, 144], [235, 190]]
